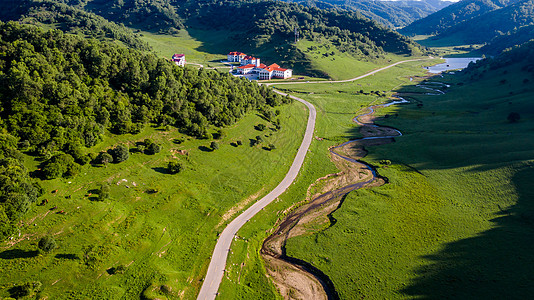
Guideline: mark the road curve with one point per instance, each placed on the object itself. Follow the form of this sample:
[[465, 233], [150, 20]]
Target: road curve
[[220, 254], [351, 79], [215, 273]]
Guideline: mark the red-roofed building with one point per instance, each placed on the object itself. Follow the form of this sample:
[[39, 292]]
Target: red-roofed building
[[274, 70], [236, 56], [179, 59], [245, 69], [250, 60]]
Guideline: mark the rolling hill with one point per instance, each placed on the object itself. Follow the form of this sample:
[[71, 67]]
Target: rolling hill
[[394, 14]]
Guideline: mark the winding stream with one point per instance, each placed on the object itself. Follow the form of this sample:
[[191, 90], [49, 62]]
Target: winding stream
[[273, 249]]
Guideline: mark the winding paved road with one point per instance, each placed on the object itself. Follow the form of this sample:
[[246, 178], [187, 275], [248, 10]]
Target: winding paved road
[[217, 264]]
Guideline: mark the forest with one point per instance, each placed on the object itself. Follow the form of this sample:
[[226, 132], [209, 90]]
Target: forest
[[71, 20], [60, 93]]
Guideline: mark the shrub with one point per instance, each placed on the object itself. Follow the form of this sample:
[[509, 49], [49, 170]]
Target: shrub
[[214, 146], [174, 167], [151, 147], [103, 194], [104, 158], [47, 244], [120, 153]]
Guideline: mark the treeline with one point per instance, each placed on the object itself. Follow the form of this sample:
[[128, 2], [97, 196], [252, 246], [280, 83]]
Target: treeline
[[152, 15], [71, 20], [59, 93]]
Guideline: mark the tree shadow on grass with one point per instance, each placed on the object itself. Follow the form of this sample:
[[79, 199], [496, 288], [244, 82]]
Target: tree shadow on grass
[[496, 264], [18, 253], [67, 256], [161, 170], [204, 149]]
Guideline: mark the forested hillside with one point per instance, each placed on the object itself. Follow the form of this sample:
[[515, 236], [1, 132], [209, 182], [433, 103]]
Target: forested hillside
[[493, 24], [498, 24], [60, 93], [510, 39], [71, 20], [453, 15], [394, 14], [271, 25], [158, 15]]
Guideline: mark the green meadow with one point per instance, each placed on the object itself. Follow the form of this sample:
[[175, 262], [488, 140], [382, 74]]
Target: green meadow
[[336, 105], [455, 219], [158, 229]]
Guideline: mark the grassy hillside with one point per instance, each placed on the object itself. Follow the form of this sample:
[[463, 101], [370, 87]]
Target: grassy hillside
[[455, 219]]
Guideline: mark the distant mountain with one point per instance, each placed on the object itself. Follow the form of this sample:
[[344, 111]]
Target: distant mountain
[[453, 15], [493, 24], [394, 14], [498, 23]]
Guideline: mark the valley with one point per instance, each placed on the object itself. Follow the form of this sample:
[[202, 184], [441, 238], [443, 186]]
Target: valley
[[121, 173]]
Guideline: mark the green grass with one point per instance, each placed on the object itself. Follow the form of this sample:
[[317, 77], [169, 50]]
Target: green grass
[[455, 219], [336, 105], [164, 238], [338, 65], [192, 43], [449, 47]]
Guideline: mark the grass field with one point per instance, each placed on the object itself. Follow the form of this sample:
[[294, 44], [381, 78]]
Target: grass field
[[162, 239], [336, 105], [455, 221], [338, 65]]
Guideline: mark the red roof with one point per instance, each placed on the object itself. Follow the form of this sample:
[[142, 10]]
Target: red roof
[[178, 55], [249, 66], [249, 57], [281, 69], [262, 66], [237, 53]]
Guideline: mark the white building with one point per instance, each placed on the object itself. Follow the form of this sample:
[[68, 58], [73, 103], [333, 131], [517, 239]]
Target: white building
[[245, 69], [250, 60], [236, 56], [250, 64], [179, 59]]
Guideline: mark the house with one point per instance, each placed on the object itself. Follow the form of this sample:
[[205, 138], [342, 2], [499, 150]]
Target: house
[[274, 71], [250, 60], [282, 73], [252, 65], [245, 69], [179, 59], [236, 56]]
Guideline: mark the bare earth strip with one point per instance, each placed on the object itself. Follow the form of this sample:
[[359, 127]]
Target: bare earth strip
[[309, 285]]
